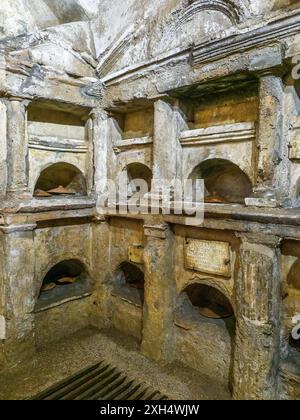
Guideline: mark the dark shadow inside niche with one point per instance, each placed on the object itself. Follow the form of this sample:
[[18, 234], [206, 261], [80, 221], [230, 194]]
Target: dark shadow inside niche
[[294, 275], [129, 283], [66, 280], [136, 172], [294, 343], [60, 180], [209, 302], [202, 303], [224, 181]]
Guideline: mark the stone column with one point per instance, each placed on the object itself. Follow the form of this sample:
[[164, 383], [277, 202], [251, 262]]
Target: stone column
[[270, 138], [103, 134], [160, 293], [90, 171], [167, 151], [17, 249], [3, 149], [258, 297], [17, 139], [101, 273]]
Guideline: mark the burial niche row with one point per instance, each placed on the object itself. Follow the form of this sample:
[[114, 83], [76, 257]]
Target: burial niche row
[[60, 180]]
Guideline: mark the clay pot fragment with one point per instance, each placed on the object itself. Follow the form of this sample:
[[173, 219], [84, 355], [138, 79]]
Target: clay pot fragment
[[47, 287], [61, 191], [41, 193], [67, 280], [215, 313], [214, 199]]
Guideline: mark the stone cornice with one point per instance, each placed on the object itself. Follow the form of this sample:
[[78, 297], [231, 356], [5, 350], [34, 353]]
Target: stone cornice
[[272, 33], [219, 134]]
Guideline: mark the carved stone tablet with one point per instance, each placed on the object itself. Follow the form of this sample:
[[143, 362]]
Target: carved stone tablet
[[208, 257]]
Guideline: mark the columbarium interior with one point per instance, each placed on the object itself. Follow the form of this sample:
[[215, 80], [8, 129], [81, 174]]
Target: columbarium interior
[[161, 89]]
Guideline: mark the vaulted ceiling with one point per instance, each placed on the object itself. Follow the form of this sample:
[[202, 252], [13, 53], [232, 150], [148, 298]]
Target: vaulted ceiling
[[22, 16]]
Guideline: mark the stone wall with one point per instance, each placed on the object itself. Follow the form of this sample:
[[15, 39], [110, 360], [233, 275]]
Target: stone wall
[[175, 89]]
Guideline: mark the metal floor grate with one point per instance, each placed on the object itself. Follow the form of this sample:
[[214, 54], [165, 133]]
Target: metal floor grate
[[100, 382]]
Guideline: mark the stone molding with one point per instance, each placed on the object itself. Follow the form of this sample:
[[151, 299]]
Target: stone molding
[[219, 134]]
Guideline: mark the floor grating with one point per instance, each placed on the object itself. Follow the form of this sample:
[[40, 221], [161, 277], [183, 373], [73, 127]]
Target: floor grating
[[100, 382]]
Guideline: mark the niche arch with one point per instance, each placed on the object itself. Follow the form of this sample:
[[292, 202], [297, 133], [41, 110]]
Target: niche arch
[[63, 177], [63, 280], [129, 282], [224, 181], [229, 8], [134, 171], [209, 335]]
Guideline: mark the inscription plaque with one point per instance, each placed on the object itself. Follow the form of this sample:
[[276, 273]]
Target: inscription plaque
[[208, 257]]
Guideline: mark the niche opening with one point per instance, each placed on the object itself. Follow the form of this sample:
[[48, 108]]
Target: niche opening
[[65, 281], [224, 181], [60, 180]]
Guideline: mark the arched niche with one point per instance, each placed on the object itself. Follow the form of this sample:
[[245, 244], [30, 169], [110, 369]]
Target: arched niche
[[129, 282], [66, 280], [224, 181], [205, 332], [60, 179], [136, 172]]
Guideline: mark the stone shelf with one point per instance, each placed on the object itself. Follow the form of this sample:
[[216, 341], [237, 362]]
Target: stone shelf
[[61, 295], [219, 134], [133, 143]]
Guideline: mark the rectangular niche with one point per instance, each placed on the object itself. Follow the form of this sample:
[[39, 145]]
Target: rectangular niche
[[56, 129], [220, 104], [59, 151], [135, 124]]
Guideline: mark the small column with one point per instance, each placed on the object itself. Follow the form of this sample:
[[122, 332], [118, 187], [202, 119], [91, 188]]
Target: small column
[[167, 151], [3, 149], [269, 142], [160, 293], [103, 127], [17, 243], [258, 297], [101, 273], [17, 144], [89, 127]]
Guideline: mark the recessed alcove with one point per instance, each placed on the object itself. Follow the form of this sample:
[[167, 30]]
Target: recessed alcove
[[293, 278], [129, 283], [224, 181], [60, 180], [135, 123], [135, 173], [67, 280], [205, 331], [219, 102], [127, 299]]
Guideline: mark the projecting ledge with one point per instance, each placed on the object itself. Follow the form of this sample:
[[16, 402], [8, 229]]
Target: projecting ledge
[[240, 132]]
